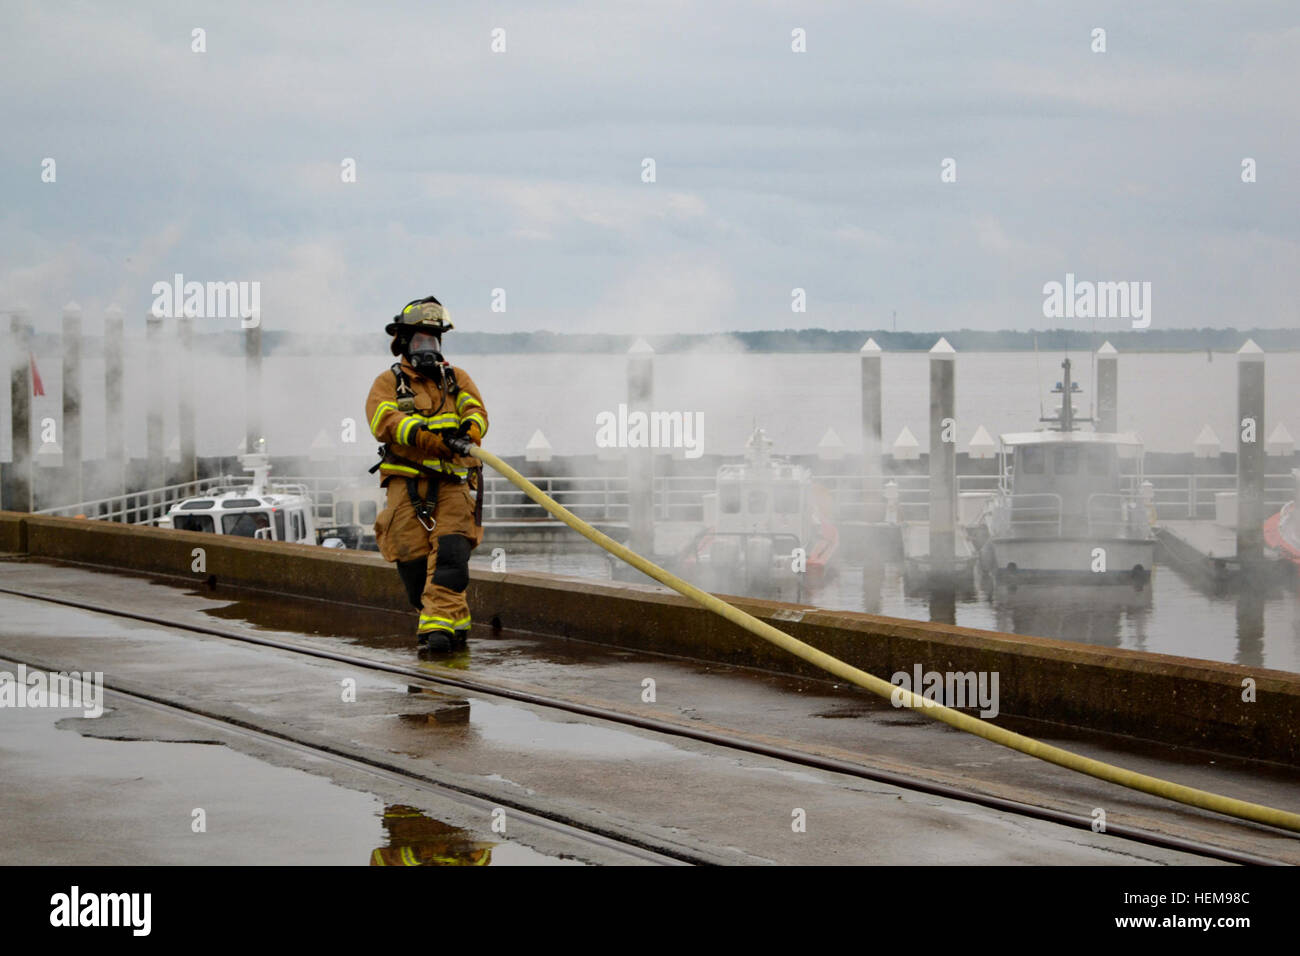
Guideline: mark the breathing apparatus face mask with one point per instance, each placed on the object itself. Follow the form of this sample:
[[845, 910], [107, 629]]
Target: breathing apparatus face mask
[[425, 352]]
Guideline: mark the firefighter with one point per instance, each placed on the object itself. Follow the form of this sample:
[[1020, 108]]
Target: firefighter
[[427, 413]]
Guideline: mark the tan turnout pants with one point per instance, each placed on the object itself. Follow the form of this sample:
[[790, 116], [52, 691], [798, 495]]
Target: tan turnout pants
[[401, 537]]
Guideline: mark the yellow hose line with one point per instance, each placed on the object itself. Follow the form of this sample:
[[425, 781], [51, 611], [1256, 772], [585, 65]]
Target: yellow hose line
[[954, 718]]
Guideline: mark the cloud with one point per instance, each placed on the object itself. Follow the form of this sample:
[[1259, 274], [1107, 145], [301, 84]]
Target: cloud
[[664, 294], [522, 170]]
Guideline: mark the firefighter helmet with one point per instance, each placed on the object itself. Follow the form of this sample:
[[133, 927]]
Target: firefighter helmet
[[420, 315]]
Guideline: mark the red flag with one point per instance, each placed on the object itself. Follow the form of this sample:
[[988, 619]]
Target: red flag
[[37, 387]]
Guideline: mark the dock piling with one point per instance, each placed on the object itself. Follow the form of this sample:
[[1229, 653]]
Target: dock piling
[[155, 464], [872, 438], [1107, 388], [252, 387], [185, 412], [640, 461], [114, 444], [943, 458], [71, 484], [17, 489], [1250, 454]]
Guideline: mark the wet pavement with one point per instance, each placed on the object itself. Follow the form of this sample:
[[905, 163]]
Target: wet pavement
[[726, 805], [139, 787]]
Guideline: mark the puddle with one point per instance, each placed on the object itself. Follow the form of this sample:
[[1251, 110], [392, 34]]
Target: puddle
[[521, 729], [369, 627], [103, 791]]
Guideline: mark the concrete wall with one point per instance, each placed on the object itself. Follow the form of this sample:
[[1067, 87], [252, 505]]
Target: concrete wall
[[1171, 699]]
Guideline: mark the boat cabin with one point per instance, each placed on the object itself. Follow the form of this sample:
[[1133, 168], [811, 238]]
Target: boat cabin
[[260, 509], [1069, 482], [233, 512]]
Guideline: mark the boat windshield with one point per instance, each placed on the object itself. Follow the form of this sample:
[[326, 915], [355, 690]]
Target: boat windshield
[[246, 525], [193, 523], [785, 498]]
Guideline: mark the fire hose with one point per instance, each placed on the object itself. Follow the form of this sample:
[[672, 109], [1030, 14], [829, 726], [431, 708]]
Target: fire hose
[[1144, 783]]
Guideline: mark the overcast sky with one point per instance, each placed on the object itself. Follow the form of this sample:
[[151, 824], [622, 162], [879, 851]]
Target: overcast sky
[[522, 170]]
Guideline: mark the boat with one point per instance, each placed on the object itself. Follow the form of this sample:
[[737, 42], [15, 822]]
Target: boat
[[261, 509], [767, 526], [356, 508], [1282, 530], [1070, 504]]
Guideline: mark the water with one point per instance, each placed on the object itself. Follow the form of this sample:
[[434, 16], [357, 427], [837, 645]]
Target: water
[[1169, 616], [1166, 397]]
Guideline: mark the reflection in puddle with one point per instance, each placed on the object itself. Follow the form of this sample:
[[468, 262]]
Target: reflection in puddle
[[365, 627], [417, 840], [440, 708]]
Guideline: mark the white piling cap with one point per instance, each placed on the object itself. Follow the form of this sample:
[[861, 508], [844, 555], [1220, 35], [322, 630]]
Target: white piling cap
[[831, 447], [982, 444], [50, 454], [906, 447], [538, 448], [1250, 352], [1107, 349], [322, 447], [640, 347], [870, 348], [114, 311], [1280, 441], [72, 311], [942, 350], [1207, 443]]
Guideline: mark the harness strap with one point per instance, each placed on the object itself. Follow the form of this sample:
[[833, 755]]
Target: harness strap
[[405, 396], [478, 496], [421, 505]]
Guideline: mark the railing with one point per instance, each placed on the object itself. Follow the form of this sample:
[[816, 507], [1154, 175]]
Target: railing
[[859, 497], [678, 497], [140, 507], [146, 507], [681, 497], [1192, 496], [1116, 516], [590, 498], [1029, 516]]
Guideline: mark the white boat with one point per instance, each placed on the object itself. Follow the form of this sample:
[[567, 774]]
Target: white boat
[[356, 508], [262, 509], [1070, 504], [766, 518]]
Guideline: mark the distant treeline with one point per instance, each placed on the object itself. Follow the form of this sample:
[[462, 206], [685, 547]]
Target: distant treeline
[[783, 340]]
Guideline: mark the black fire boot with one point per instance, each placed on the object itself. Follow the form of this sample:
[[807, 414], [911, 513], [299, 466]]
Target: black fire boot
[[435, 642]]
